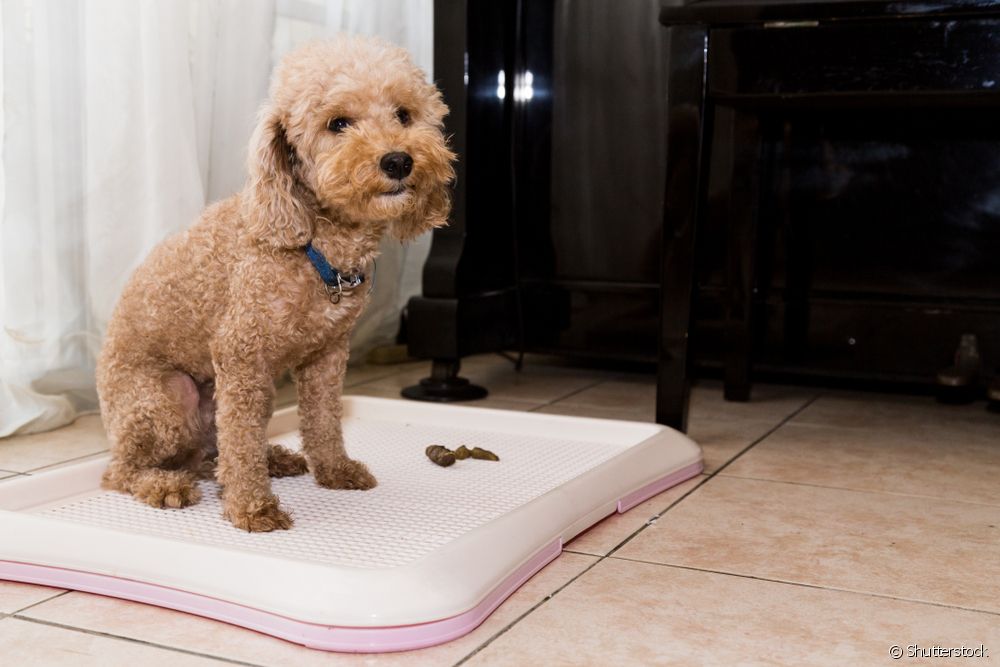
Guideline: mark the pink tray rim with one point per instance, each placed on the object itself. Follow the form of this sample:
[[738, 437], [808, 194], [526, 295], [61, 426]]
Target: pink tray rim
[[313, 635]]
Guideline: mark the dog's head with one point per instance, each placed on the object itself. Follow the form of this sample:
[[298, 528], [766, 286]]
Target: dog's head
[[352, 128]]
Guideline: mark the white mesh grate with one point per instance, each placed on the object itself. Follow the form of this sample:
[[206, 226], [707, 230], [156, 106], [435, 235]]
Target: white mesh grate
[[416, 508]]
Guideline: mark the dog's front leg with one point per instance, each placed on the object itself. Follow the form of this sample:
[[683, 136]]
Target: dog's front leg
[[244, 397], [320, 384]]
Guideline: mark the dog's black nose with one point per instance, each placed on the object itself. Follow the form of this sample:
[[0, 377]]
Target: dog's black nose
[[396, 165]]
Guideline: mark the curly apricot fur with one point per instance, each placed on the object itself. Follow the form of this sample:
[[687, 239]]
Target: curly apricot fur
[[216, 313]]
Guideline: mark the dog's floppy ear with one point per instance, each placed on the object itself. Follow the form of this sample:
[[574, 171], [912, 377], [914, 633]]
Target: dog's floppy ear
[[276, 208]]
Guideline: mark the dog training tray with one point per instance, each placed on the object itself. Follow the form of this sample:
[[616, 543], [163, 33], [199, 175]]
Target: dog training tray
[[421, 559]]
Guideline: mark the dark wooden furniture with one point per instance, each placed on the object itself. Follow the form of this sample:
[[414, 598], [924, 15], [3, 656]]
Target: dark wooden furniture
[[763, 94]]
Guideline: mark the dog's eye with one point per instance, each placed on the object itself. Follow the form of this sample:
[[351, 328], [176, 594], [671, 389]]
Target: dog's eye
[[403, 116], [338, 124]]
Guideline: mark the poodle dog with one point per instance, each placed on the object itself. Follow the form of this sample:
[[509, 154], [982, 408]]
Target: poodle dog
[[348, 148]]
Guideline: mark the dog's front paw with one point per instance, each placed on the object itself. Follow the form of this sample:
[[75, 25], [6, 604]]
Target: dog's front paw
[[345, 474], [257, 516]]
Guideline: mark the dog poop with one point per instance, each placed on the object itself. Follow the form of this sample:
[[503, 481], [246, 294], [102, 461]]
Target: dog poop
[[445, 457], [483, 454], [442, 456]]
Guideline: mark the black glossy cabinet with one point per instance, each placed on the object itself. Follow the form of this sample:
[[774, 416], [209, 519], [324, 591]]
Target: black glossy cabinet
[[803, 188], [557, 113]]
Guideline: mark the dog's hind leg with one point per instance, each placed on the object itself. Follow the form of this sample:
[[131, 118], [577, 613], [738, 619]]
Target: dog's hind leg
[[282, 462], [154, 486], [152, 421]]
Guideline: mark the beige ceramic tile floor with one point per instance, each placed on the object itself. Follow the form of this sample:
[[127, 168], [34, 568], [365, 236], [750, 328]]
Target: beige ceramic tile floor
[[828, 527]]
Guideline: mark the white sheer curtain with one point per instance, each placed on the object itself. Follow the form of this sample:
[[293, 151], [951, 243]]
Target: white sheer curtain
[[120, 120]]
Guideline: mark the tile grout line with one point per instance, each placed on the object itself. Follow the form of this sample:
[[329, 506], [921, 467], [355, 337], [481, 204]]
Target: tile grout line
[[374, 379], [530, 610], [600, 559], [521, 617], [856, 490], [653, 518], [35, 604], [108, 635], [538, 404], [714, 473], [799, 584], [565, 396], [33, 471]]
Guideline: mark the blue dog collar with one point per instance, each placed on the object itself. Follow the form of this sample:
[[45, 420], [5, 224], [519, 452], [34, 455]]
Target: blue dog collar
[[336, 281]]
